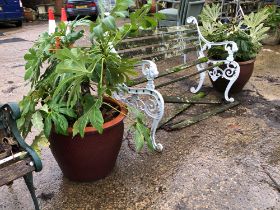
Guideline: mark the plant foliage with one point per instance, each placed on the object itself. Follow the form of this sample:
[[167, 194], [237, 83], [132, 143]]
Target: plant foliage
[[247, 33], [69, 92], [273, 20]]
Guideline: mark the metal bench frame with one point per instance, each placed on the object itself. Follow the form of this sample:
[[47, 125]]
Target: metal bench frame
[[154, 107], [26, 160]]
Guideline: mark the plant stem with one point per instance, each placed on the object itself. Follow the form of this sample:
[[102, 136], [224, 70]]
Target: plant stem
[[114, 108]]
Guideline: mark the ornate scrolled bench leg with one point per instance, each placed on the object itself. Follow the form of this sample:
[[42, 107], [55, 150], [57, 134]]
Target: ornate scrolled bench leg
[[230, 72], [154, 107], [202, 75]]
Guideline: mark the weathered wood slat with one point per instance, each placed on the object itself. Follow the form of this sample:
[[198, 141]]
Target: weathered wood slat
[[163, 31], [157, 46], [180, 109], [149, 40], [185, 100], [165, 55], [15, 171], [198, 118], [186, 76], [168, 71], [160, 44]]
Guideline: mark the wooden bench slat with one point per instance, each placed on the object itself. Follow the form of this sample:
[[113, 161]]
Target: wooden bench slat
[[164, 55], [162, 31], [149, 40], [15, 171], [173, 45], [168, 71]]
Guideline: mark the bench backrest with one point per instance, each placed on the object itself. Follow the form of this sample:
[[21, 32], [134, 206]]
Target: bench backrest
[[160, 44]]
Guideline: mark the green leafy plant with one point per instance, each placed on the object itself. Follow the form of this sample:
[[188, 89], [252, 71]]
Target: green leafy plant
[[69, 83], [273, 20], [247, 33]]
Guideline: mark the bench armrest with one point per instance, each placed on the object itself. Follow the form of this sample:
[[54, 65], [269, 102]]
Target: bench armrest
[[153, 106], [149, 70], [230, 46], [9, 113]]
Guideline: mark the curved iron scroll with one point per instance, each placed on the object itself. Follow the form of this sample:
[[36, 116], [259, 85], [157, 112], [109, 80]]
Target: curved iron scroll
[[230, 72], [9, 113], [153, 107]]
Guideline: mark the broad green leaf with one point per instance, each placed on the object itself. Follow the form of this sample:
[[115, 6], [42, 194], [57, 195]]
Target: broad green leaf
[[60, 122], [47, 126], [45, 108], [20, 122], [95, 116], [122, 5], [28, 74], [139, 140], [88, 102], [110, 23], [98, 31], [71, 37], [64, 83], [80, 124], [63, 54], [67, 112], [145, 132], [30, 56], [138, 114], [152, 21], [39, 142], [25, 105], [37, 121], [70, 66], [122, 14]]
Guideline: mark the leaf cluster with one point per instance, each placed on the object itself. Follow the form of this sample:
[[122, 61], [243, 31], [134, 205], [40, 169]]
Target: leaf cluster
[[247, 33], [273, 20], [69, 83]]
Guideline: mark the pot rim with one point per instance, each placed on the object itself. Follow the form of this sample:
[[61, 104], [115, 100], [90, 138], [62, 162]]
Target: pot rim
[[110, 123], [246, 62]]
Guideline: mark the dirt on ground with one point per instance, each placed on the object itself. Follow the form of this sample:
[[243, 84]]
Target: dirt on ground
[[220, 163]]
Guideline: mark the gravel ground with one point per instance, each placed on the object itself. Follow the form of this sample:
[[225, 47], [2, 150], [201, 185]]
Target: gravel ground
[[215, 164]]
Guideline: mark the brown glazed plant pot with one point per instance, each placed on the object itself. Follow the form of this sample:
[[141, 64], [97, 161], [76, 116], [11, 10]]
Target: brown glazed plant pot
[[92, 157], [246, 70]]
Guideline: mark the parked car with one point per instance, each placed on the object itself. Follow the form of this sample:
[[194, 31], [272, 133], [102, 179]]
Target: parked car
[[76, 8], [11, 11]]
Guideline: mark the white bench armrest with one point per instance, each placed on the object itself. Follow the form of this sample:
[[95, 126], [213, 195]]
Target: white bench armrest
[[230, 46]]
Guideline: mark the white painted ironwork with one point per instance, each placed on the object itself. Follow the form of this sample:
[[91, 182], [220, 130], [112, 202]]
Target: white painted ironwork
[[153, 107], [13, 156], [231, 68]]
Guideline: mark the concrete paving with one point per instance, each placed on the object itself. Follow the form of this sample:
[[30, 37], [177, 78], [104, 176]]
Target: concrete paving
[[215, 164]]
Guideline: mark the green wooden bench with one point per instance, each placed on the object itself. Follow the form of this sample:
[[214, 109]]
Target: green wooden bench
[[171, 43], [17, 159]]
